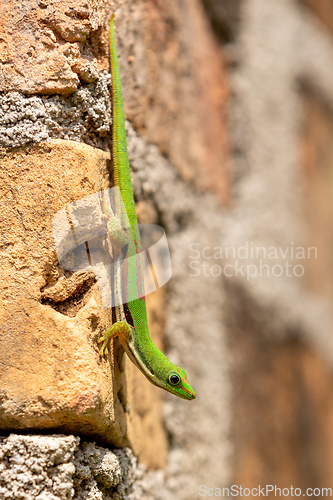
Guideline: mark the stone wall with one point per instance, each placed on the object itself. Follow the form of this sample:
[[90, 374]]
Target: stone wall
[[229, 128]]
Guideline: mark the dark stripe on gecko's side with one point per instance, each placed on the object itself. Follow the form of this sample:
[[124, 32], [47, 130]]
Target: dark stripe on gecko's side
[[128, 315]]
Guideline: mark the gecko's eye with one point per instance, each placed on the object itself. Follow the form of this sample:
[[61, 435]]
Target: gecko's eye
[[174, 378]]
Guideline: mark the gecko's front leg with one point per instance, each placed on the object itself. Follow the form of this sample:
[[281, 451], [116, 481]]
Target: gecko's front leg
[[119, 329]]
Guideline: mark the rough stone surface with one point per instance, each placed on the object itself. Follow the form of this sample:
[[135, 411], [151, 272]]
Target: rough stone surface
[[56, 467], [204, 148], [37, 467], [60, 47], [103, 474], [85, 116], [42, 45], [45, 334]]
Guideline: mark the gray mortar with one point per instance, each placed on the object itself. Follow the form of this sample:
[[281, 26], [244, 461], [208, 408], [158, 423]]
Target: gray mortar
[[84, 116], [37, 467], [57, 467], [102, 474]]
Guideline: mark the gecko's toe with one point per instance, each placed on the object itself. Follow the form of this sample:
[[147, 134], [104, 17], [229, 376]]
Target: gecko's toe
[[103, 351], [104, 348]]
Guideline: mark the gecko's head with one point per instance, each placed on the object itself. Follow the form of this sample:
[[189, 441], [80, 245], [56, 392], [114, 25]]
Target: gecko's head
[[178, 384], [174, 380], [159, 370]]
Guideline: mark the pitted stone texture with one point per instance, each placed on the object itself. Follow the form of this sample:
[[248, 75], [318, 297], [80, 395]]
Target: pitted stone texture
[[103, 474], [51, 373], [37, 467], [58, 467], [33, 55], [85, 116]]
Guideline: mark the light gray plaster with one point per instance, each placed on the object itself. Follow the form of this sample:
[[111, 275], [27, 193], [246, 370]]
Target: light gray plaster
[[84, 116]]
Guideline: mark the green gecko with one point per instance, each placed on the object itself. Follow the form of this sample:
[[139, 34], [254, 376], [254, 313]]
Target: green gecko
[[132, 326]]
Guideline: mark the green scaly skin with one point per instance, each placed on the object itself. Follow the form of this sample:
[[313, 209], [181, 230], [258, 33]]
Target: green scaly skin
[[132, 326]]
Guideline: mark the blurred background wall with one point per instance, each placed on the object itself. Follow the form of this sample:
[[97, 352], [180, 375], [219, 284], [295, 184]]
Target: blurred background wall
[[280, 332]]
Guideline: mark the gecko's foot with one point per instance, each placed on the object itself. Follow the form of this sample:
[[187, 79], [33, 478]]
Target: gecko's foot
[[105, 341], [104, 349]]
